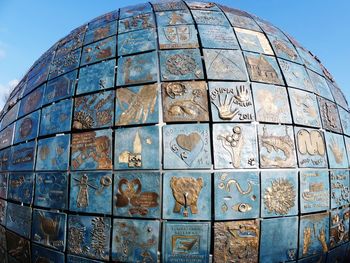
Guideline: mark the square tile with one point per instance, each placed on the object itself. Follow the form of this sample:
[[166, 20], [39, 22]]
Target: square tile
[[92, 150], [277, 147], [213, 36], [137, 105], [279, 193], [40, 254], [181, 65], [91, 192], [21, 247], [137, 148], [186, 146], [64, 63], [178, 36], [336, 151], [3, 209], [231, 102], [96, 77], [184, 241], [51, 190], [329, 115], [320, 85], [56, 118], [94, 111], [285, 242], [89, 236], [5, 159], [134, 10], [49, 229], [309, 60], [314, 191], [187, 196], [225, 64], [22, 157], [101, 50], [304, 108], [19, 219], [137, 69], [338, 95], [3, 185], [262, 68], [253, 41], [205, 17], [135, 244], [340, 185], [26, 128], [235, 146], [339, 254], [347, 147], [237, 195], [284, 49], [242, 20], [138, 22], [345, 120], [339, 227], [185, 101], [173, 17], [53, 153], [202, 5], [271, 103], [31, 102], [104, 19], [136, 41], [10, 116], [311, 147], [6, 136], [21, 187], [137, 194], [100, 32]]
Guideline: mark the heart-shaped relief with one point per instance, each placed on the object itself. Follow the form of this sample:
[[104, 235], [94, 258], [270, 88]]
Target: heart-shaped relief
[[187, 147]]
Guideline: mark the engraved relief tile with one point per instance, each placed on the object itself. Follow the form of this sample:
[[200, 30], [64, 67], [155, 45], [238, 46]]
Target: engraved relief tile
[[329, 115], [213, 36], [336, 151], [253, 41]]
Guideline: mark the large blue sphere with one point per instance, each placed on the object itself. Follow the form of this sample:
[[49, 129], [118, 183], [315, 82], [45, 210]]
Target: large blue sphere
[[178, 131]]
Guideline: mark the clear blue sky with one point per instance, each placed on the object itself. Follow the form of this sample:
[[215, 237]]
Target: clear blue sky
[[29, 28]]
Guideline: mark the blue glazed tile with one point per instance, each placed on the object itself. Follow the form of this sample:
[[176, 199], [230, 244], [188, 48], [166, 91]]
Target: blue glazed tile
[[321, 258], [181, 65], [3, 209], [347, 147], [284, 49], [185, 101], [175, 17], [336, 151], [279, 193], [338, 95], [345, 120], [94, 111], [135, 240], [262, 68], [314, 191], [269, 29], [314, 234], [171, 5], [5, 159], [53, 153], [19, 219], [91, 192], [104, 19], [186, 242], [138, 22], [22, 157], [40, 254], [101, 50], [3, 185], [304, 108], [178, 36], [309, 60], [242, 20], [137, 105], [100, 32], [32, 101], [89, 236], [213, 36], [72, 41], [205, 17], [96, 77], [202, 5], [320, 85], [284, 233], [92, 150], [75, 259], [340, 185], [271, 103], [10, 116], [235, 146], [186, 196], [27, 127], [65, 63], [51, 190], [339, 227], [134, 10], [135, 42], [21, 187], [137, 148], [237, 195], [277, 147], [137, 69], [56, 117], [49, 229], [186, 146], [296, 75], [338, 254], [253, 41], [225, 64], [18, 248], [60, 88], [137, 194], [231, 102], [311, 147], [329, 115], [6, 136]]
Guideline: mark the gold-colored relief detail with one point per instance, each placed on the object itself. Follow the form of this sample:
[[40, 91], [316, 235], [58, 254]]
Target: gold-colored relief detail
[[233, 144], [307, 240], [280, 197], [186, 192], [134, 159], [337, 151], [310, 142]]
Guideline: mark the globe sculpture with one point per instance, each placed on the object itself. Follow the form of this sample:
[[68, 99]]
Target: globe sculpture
[[178, 131]]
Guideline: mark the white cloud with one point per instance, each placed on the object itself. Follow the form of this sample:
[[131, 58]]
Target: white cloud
[[5, 90]]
